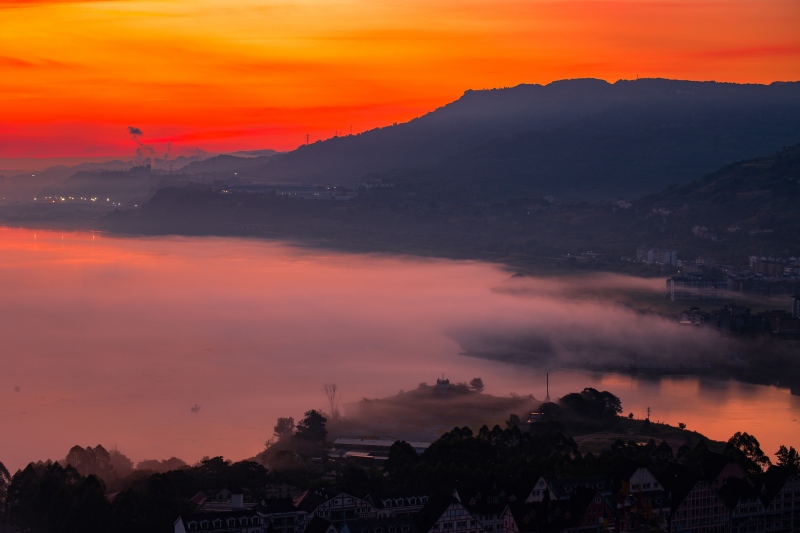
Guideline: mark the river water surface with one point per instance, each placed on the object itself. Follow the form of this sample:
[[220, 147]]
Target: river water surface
[[113, 341]]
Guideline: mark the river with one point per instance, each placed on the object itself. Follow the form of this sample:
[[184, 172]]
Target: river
[[112, 340]]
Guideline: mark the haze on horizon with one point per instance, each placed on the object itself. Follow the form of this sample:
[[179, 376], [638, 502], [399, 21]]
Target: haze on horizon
[[258, 74]]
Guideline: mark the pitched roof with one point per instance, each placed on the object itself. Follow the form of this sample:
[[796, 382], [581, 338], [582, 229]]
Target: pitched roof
[[773, 481], [433, 510], [735, 490], [401, 523], [554, 515], [713, 464], [624, 470], [278, 505], [678, 482]]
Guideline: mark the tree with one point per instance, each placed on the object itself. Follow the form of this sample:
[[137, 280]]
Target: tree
[[91, 461], [747, 451], [5, 479], [476, 384], [311, 429], [591, 403], [333, 395], [681, 426], [122, 466], [513, 421], [401, 454], [788, 458], [284, 428]]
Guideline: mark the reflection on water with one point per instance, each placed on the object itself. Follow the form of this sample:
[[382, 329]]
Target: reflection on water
[[116, 341]]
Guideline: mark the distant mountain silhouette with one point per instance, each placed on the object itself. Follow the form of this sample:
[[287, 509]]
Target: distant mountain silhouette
[[574, 138], [224, 164]]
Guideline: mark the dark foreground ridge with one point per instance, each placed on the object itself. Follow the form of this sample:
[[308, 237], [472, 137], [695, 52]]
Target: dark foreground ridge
[[531, 476]]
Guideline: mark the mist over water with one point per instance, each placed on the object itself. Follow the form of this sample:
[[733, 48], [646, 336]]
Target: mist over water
[[113, 341]]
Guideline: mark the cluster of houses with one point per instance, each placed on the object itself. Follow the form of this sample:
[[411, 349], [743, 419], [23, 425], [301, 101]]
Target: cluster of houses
[[703, 279], [716, 498], [739, 319]]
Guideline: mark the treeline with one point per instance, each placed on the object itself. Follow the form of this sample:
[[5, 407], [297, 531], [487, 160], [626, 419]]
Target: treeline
[[48, 497], [54, 497]]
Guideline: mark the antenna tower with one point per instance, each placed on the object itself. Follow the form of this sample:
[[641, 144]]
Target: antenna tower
[[547, 397]]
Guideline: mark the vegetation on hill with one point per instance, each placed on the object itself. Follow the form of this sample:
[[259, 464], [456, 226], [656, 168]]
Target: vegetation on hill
[[62, 496]]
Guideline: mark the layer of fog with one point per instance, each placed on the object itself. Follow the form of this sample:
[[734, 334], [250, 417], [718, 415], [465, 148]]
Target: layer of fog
[[116, 341], [577, 322]]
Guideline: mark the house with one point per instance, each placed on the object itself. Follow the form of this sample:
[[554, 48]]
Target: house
[[695, 505], [718, 468], [641, 497], [446, 514], [490, 505], [281, 516], [549, 516], [442, 386], [591, 511], [337, 508], [745, 505], [241, 521], [400, 505], [780, 494], [387, 524]]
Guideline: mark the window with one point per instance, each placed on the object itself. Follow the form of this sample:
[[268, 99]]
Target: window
[[192, 526], [204, 524]]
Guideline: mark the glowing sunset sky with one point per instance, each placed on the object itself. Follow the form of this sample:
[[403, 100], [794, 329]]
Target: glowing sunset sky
[[224, 75]]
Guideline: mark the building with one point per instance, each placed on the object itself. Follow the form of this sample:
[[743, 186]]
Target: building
[[695, 505], [656, 256], [239, 520], [446, 514], [400, 505], [641, 498], [697, 287], [490, 505], [796, 306], [746, 508], [368, 451], [780, 493]]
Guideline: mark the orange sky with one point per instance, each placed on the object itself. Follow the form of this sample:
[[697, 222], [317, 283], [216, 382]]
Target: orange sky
[[222, 75]]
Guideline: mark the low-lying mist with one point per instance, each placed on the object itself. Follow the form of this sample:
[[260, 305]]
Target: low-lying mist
[[192, 347], [577, 322]]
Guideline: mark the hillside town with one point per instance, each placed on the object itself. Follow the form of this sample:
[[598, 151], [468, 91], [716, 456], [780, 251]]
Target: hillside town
[[716, 497]]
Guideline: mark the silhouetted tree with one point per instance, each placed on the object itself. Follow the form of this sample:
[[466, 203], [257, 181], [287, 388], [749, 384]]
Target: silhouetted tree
[[333, 395], [591, 403], [311, 429], [120, 464], [747, 451], [476, 384], [401, 454], [5, 479], [513, 421], [91, 511], [284, 428], [789, 458], [91, 461]]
